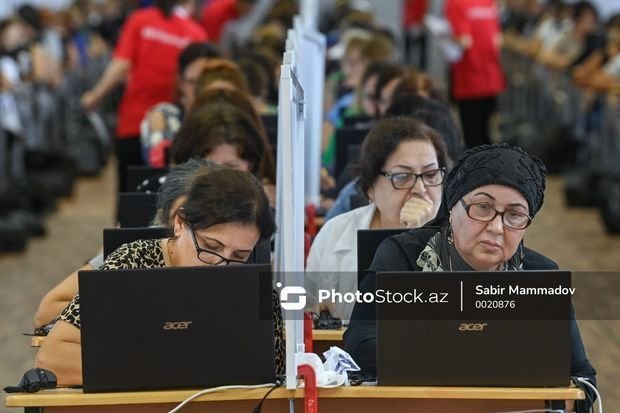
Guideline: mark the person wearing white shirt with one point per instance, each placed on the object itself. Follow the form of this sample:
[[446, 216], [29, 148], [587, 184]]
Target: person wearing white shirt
[[401, 170]]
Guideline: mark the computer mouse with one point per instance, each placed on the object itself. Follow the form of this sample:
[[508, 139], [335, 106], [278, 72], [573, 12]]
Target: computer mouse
[[33, 381]]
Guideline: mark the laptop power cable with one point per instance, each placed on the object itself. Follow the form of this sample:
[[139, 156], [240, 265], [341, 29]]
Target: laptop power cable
[[221, 388], [583, 382], [259, 406]]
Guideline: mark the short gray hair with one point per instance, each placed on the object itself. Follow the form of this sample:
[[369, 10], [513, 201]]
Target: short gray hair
[[177, 184]]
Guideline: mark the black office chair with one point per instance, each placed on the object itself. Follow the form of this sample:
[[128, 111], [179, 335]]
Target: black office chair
[[137, 174], [348, 147], [136, 209]]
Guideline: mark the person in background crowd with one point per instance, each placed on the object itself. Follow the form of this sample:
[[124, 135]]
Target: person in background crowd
[[146, 55], [601, 72], [477, 77], [222, 74], [415, 42], [257, 80], [162, 121], [227, 135], [217, 13], [575, 45]]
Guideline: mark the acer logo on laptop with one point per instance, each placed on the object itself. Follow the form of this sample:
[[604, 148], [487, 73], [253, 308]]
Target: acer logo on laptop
[[177, 325], [472, 326]]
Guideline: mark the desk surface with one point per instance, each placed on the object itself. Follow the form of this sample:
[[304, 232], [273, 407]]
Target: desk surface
[[328, 335], [73, 397]]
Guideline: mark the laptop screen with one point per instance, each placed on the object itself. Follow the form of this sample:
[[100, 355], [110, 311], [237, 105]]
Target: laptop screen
[[176, 327], [474, 329]]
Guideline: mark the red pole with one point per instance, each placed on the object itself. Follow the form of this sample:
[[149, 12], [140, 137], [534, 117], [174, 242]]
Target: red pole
[[311, 400], [308, 339]]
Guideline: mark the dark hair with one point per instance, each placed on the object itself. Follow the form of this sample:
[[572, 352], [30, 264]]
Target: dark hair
[[255, 77], [414, 82], [582, 7], [387, 74], [374, 67], [166, 6], [177, 184], [212, 125], [269, 62], [31, 17], [221, 69], [383, 140], [195, 51], [224, 195], [266, 169], [433, 114], [282, 12], [230, 96]]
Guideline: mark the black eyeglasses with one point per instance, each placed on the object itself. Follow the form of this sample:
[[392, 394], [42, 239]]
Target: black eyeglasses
[[484, 212], [407, 180], [206, 255]]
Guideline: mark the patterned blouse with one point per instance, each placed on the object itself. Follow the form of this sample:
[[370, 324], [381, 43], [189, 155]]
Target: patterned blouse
[[153, 253]]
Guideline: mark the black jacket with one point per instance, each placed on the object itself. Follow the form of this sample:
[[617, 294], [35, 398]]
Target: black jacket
[[400, 253]]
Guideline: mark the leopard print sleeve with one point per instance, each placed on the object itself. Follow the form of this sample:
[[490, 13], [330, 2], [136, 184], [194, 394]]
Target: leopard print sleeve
[[71, 313], [278, 327], [146, 253], [138, 254]]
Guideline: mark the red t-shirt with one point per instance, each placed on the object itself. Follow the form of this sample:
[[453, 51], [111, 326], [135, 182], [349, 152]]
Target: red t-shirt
[[479, 73], [415, 10], [152, 44], [216, 14]]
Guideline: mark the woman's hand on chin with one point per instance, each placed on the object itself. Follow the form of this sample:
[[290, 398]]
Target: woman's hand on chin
[[416, 212]]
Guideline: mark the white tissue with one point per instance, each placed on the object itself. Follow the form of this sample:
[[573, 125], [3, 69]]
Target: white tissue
[[338, 360], [324, 378]]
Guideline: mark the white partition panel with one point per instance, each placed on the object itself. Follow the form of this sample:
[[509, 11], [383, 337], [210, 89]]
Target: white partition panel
[[311, 65], [289, 251], [309, 11]]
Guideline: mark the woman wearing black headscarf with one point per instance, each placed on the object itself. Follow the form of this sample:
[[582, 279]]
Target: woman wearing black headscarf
[[489, 199]]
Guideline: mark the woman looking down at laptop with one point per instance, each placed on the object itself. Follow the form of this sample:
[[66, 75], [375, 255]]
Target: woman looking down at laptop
[[225, 215], [170, 196], [402, 168], [490, 197]]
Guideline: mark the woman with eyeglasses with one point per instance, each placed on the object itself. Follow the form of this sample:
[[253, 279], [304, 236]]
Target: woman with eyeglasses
[[225, 215], [401, 168], [490, 198]]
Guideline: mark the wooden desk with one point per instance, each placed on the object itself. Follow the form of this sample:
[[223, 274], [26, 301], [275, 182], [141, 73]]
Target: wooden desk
[[36, 341], [362, 399], [328, 335]]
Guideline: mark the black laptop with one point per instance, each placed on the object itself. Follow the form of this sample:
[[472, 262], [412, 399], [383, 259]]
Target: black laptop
[[136, 209], [368, 240], [191, 327], [481, 340]]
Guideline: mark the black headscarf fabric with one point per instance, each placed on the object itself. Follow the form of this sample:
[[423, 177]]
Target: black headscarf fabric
[[499, 164]]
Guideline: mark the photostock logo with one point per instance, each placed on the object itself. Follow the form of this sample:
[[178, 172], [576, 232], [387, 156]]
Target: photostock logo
[[298, 295]]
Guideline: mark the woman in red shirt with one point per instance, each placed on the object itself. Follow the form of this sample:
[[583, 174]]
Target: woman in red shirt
[[146, 56], [477, 78]]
